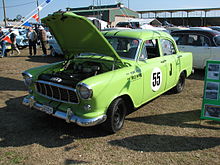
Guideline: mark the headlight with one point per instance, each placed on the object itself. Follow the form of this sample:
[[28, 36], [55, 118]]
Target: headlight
[[27, 78], [85, 92]]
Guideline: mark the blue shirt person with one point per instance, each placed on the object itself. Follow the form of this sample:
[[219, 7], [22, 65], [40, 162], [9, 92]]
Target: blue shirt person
[[2, 43]]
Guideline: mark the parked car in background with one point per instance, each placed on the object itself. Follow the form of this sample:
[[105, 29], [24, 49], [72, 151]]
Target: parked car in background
[[204, 45], [54, 47], [150, 27], [100, 24], [8, 45], [175, 28], [104, 75], [21, 38], [115, 28], [139, 23], [200, 28], [215, 28], [49, 35]]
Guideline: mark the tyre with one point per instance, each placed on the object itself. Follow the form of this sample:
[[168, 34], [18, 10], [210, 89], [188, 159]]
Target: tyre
[[180, 84], [115, 116], [52, 52]]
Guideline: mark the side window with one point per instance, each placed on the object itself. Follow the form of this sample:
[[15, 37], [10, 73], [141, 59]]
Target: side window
[[181, 39], [192, 40], [198, 40], [143, 55], [204, 40], [152, 48], [167, 47]]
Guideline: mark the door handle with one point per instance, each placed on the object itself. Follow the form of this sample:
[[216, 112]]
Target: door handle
[[163, 61], [171, 70]]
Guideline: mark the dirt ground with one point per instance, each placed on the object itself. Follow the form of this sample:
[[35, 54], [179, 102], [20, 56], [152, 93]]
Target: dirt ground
[[165, 131]]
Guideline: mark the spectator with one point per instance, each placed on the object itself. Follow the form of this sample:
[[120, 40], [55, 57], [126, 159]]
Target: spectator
[[2, 43], [13, 40], [32, 40], [43, 40]]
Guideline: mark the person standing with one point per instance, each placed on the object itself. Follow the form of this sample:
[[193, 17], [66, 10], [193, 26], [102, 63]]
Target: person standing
[[2, 43], [13, 40], [32, 40], [43, 39]]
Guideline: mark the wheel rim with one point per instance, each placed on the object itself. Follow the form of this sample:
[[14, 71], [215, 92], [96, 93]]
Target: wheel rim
[[52, 52], [118, 118]]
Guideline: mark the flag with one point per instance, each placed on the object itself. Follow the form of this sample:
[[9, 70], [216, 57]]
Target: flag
[[36, 17], [6, 38], [27, 24], [47, 1]]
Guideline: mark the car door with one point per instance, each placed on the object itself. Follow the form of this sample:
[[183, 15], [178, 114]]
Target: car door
[[154, 70], [171, 60], [214, 53], [199, 45], [215, 49]]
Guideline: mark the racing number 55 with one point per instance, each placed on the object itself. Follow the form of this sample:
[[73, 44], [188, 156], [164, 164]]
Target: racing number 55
[[156, 79]]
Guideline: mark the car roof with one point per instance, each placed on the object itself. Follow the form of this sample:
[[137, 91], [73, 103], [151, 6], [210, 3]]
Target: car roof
[[210, 33], [136, 33], [214, 26]]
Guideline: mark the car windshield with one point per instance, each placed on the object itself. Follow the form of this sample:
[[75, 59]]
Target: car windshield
[[217, 40], [125, 47]]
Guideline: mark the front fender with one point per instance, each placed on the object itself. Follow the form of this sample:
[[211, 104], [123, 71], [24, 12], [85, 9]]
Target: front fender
[[35, 72], [111, 85]]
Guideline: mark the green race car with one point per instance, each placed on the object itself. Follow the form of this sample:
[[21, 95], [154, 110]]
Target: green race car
[[105, 74]]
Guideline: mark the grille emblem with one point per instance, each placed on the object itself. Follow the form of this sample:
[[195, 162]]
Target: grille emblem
[[56, 79]]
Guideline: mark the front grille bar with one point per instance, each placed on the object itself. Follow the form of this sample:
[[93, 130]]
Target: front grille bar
[[56, 92]]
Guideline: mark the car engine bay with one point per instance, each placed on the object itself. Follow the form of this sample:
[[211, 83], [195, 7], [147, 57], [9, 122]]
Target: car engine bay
[[74, 73]]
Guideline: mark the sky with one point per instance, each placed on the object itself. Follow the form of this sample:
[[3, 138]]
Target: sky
[[24, 7]]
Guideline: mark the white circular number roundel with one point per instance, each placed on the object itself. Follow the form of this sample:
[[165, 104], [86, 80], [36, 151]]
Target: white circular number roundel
[[156, 79]]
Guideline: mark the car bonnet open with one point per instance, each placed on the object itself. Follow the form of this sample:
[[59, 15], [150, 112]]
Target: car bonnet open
[[76, 34]]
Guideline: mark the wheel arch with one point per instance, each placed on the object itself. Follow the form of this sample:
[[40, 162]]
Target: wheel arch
[[128, 101], [185, 72]]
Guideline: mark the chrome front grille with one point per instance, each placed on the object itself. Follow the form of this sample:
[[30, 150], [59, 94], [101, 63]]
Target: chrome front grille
[[57, 92]]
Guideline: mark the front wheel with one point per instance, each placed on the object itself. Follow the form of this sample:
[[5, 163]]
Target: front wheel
[[181, 83], [115, 115]]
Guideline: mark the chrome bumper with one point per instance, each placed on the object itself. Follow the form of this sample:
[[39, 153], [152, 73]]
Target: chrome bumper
[[68, 116]]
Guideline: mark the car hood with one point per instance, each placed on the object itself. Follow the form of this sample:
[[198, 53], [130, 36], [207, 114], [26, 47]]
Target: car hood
[[76, 34]]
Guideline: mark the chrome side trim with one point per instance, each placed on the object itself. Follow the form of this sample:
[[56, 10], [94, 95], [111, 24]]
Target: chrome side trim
[[68, 117]]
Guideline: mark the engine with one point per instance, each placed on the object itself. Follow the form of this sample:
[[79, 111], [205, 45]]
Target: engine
[[73, 74]]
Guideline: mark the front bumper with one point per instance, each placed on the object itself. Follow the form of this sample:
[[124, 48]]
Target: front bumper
[[68, 116]]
